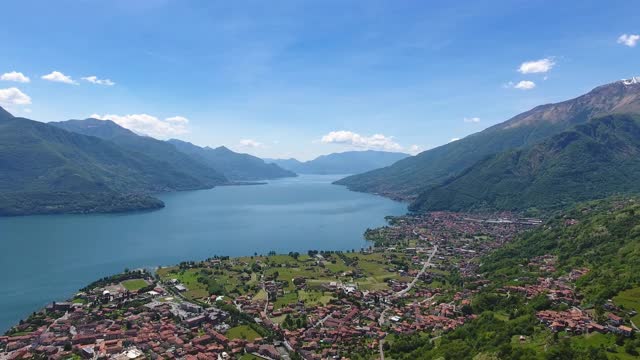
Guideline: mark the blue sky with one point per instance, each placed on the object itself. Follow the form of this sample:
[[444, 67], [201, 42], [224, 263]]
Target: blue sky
[[304, 78]]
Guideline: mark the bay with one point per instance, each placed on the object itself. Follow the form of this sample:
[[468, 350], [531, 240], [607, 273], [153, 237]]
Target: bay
[[47, 258]]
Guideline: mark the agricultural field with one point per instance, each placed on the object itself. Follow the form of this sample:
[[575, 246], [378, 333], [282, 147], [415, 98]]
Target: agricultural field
[[245, 275], [242, 332], [630, 301], [134, 284]]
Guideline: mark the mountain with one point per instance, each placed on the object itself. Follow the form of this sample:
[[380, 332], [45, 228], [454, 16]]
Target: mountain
[[289, 164], [235, 166], [4, 114], [591, 161], [350, 162], [152, 148], [409, 177], [46, 169]]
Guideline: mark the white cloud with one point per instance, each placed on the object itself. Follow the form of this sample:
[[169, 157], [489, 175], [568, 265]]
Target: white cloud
[[148, 124], [15, 76], [94, 80], [415, 149], [376, 141], [525, 85], [629, 40], [537, 66], [250, 143], [13, 96], [57, 76], [178, 120], [454, 139], [472, 120]]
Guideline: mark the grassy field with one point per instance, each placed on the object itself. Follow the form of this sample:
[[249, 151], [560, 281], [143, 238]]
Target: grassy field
[[242, 276], [630, 300], [134, 284], [607, 341], [261, 295], [249, 357], [189, 278], [312, 298], [285, 300], [242, 332], [279, 319]]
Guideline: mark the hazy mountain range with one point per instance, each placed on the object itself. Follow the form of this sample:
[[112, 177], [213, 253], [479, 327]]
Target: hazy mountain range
[[159, 150], [235, 166], [492, 156], [49, 170], [545, 158], [86, 166], [349, 162]]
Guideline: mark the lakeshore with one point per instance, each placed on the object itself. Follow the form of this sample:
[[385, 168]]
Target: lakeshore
[[421, 282], [310, 305], [49, 258]]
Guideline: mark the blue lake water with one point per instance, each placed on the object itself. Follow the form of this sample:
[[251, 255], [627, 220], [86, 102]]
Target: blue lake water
[[47, 258]]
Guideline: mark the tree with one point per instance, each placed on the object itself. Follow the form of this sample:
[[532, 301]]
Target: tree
[[630, 348]]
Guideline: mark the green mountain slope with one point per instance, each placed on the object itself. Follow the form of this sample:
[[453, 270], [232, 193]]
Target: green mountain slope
[[150, 147], [604, 237], [46, 169], [601, 236], [349, 162], [409, 177], [235, 166], [593, 160]]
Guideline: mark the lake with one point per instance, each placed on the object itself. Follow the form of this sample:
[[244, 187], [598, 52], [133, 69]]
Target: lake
[[47, 258]]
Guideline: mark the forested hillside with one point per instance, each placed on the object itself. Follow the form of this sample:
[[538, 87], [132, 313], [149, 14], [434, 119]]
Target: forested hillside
[[595, 243], [407, 178], [591, 161]]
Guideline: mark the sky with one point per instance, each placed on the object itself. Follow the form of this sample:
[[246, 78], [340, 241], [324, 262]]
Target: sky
[[300, 78]]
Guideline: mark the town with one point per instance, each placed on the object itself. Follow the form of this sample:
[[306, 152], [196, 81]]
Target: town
[[419, 278]]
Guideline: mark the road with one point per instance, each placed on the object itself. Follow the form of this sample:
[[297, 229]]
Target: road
[[415, 280], [321, 321], [381, 318], [404, 291]]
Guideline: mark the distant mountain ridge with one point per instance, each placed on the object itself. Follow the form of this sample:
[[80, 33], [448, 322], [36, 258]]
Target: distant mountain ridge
[[46, 170], [235, 166], [408, 178], [593, 160], [156, 149], [349, 162]]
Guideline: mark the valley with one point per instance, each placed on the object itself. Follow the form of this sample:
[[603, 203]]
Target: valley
[[319, 180]]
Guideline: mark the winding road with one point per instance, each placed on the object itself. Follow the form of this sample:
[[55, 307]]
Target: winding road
[[415, 280], [426, 265]]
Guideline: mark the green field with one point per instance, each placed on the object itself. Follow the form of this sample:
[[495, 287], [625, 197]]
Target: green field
[[607, 341], [242, 276], [189, 278], [312, 298], [249, 357], [630, 300], [134, 284], [285, 300], [261, 295], [242, 332]]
